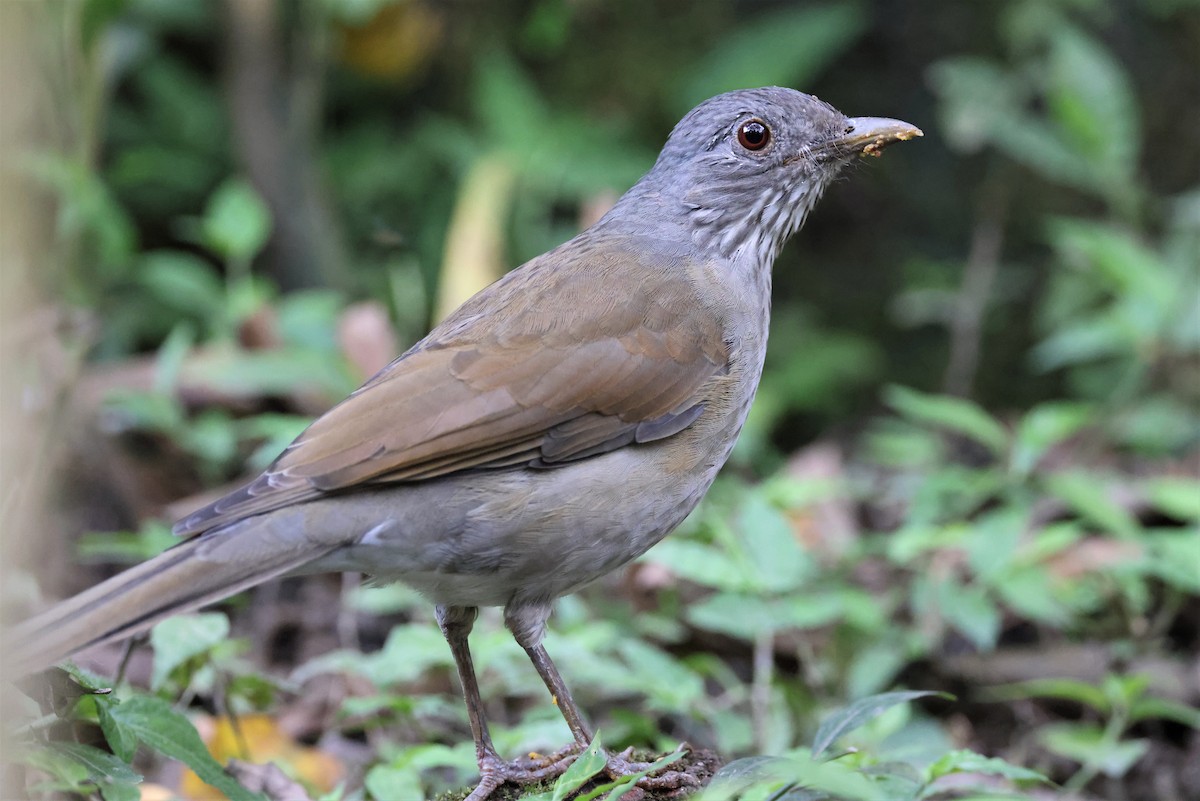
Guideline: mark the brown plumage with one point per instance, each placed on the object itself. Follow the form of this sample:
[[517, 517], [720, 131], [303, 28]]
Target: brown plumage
[[548, 381]]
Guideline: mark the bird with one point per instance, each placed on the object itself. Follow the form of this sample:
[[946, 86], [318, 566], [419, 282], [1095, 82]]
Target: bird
[[550, 430]]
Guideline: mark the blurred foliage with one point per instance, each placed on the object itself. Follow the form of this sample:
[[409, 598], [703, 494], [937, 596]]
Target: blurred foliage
[[1033, 265]]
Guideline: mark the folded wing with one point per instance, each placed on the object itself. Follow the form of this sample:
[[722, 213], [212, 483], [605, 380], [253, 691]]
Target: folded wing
[[526, 374]]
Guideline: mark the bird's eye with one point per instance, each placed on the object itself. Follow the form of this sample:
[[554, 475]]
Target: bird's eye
[[753, 134]]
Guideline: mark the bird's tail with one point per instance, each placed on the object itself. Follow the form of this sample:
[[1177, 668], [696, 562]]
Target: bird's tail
[[194, 573]]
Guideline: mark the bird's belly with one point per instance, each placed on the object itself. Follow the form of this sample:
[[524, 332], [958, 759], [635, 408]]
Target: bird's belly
[[522, 535], [491, 538]]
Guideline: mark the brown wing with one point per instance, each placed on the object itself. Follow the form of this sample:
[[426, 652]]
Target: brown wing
[[544, 367]]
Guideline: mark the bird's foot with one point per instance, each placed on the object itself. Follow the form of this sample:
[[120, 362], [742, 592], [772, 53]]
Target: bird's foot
[[495, 772], [666, 782]]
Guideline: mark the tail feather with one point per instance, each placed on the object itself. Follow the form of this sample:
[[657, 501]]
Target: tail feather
[[181, 579]]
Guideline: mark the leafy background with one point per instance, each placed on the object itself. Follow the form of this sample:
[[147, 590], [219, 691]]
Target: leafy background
[[972, 466]]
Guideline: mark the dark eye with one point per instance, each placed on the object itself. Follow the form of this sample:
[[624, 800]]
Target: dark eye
[[753, 134]]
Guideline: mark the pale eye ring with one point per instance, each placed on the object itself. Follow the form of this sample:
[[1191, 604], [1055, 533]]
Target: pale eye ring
[[753, 134]]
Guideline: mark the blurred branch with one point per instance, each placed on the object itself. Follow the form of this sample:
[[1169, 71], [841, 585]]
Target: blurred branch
[[275, 101], [983, 260], [40, 345], [760, 691]]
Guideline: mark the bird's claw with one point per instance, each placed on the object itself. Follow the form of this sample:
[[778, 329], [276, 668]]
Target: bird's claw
[[495, 772], [666, 781]]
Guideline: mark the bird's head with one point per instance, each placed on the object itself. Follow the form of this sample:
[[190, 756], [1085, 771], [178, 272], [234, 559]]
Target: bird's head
[[746, 167]]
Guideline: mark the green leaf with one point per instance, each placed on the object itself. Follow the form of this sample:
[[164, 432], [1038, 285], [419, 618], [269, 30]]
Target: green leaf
[[953, 414], [769, 542], [1177, 496], [995, 542], [128, 547], [279, 371], [1088, 744], [1175, 557], [86, 206], [1029, 591], [741, 773], [1088, 339], [121, 740], [506, 99], [801, 778], [1066, 689], [898, 443], [1045, 426], [1162, 709], [183, 282], [876, 666], [77, 683], [667, 682], [971, 610], [386, 782], [916, 539], [1158, 425], [732, 614], [310, 318], [101, 766], [618, 789], [699, 562], [786, 48], [966, 761], [160, 727], [1119, 263], [120, 791], [236, 223], [1094, 104], [178, 639], [1123, 690], [1040, 146], [860, 712], [169, 361], [1090, 496], [627, 783], [979, 100], [586, 765], [64, 769]]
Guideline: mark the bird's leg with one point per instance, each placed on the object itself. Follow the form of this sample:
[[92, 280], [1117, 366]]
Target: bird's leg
[[528, 626], [456, 623], [580, 730]]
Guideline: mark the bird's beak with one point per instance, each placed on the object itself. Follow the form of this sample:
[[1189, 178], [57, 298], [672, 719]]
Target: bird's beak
[[868, 136]]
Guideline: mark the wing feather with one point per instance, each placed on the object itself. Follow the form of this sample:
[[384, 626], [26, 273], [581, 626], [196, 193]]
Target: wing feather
[[524, 374]]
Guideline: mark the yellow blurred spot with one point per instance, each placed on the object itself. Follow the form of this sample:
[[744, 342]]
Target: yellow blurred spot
[[263, 742], [396, 42], [474, 254]]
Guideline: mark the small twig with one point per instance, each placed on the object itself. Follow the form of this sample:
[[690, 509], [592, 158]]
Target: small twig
[[126, 655], [983, 262], [760, 692], [35, 726], [220, 700]]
